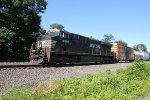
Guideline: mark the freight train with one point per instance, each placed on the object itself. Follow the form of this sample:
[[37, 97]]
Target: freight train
[[62, 47]]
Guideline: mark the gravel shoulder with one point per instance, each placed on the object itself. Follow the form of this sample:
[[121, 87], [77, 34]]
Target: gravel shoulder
[[11, 78]]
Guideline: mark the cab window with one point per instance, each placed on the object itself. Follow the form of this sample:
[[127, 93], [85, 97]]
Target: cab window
[[64, 35]]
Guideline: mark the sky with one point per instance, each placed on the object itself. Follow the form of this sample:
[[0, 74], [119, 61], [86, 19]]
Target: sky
[[127, 20]]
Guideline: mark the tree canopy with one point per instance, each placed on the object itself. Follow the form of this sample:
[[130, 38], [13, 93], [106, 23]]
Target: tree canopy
[[22, 18], [58, 26], [5, 43], [140, 47], [5, 35], [121, 42], [42, 31], [108, 38], [92, 38]]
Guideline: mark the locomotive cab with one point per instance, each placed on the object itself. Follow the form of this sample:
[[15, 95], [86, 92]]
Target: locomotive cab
[[41, 50]]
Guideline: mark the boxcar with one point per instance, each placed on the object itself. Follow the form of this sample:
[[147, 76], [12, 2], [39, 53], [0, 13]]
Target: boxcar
[[122, 53]]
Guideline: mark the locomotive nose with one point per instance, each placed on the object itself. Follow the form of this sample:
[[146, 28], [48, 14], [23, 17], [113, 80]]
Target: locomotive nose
[[36, 55]]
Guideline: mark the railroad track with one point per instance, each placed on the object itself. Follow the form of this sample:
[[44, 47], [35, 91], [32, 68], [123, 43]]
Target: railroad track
[[34, 65], [18, 65]]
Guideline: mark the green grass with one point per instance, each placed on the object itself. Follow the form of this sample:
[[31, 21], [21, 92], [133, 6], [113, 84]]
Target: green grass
[[124, 84]]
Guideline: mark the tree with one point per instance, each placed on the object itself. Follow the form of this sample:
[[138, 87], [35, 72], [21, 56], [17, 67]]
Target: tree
[[58, 26], [42, 31], [140, 47], [21, 17], [121, 42], [108, 38], [5, 43], [5, 35], [92, 38]]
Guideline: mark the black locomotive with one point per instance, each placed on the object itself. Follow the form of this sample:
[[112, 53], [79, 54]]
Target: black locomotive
[[60, 46]]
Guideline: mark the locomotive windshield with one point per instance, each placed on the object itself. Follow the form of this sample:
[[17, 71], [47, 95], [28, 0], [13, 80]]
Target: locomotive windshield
[[43, 38], [48, 36], [54, 34]]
